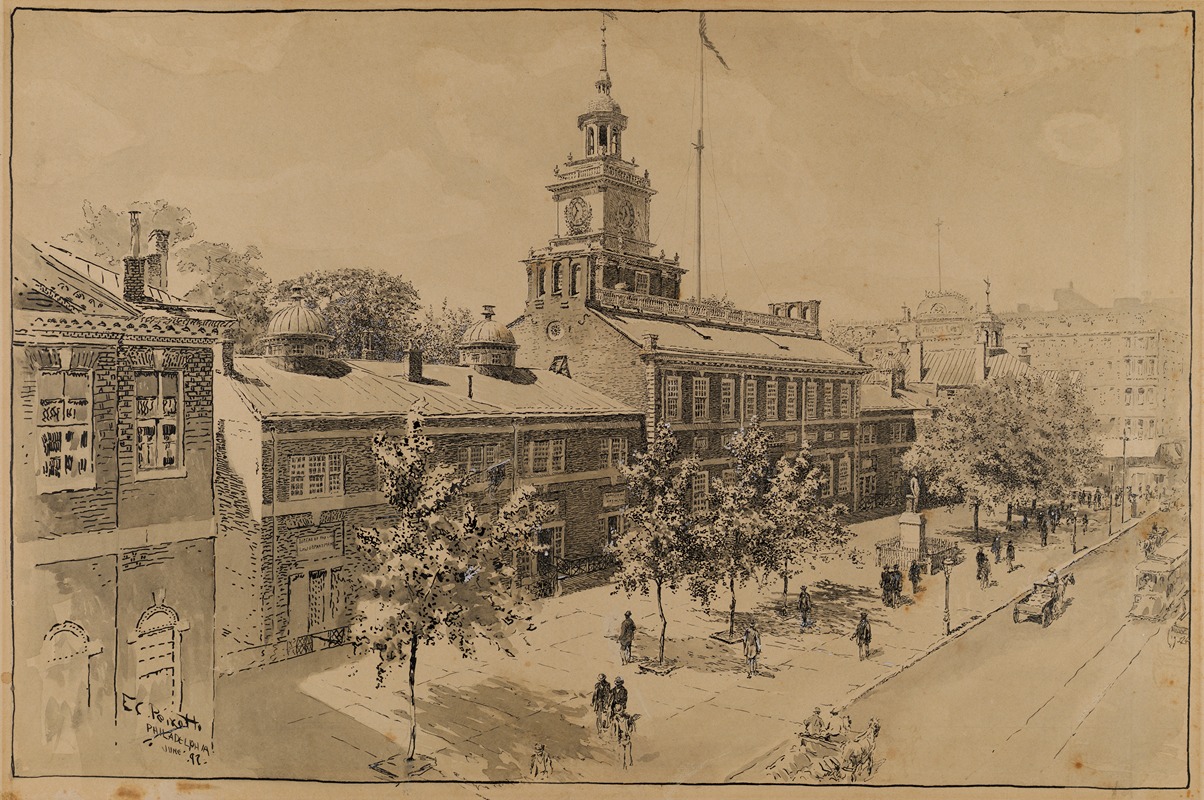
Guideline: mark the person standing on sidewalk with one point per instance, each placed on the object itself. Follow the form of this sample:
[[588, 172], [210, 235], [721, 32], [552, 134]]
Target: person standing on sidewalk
[[601, 702], [1011, 556], [981, 560], [862, 636], [996, 548], [913, 574], [626, 637], [752, 647], [804, 609], [884, 582], [1044, 531]]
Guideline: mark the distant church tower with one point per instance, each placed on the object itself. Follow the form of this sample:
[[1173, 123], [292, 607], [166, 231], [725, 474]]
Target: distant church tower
[[603, 205]]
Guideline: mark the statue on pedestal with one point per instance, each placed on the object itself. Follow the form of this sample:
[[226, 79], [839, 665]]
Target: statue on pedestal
[[913, 499]]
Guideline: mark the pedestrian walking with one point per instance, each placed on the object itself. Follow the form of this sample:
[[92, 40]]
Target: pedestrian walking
[[541, 762], [862, 636], [1011, 556], [1044, 531], [804, 609], [626, 637], [984, 568], [1085, 519], [1099, 501], [996, 548], [618, 700], [884, 582], [897, 584], [913, 574], [601, 702], [752, 647]]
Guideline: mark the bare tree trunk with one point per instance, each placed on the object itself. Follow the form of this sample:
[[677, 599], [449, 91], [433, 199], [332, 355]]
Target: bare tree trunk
[[976, 521], [413, 705], [786, 579], [664, 622], [731, 620]]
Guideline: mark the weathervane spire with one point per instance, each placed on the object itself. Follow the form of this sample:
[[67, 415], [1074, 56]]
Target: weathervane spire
[[603, 82]]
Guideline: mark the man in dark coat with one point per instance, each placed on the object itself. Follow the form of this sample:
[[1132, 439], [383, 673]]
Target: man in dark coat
[[913, 574], [983, 565], [896, 584], [618, 700], [884, 582], [804, 609], [626, 637], [1011, 556], [1044, 531], [996, 548], [862, 636], [601, 702]]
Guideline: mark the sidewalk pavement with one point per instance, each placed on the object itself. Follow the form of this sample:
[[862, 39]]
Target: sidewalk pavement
[[481, 718]]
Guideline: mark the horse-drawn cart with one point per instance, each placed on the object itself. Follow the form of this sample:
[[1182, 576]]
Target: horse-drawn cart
[[1046, 601]]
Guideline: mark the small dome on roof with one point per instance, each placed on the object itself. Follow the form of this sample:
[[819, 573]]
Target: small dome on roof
[[296, 318], [488, 332], [603, 103]]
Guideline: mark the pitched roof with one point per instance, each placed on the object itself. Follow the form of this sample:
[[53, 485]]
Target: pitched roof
[[276, 392], [957, 367], [698, 337], [512, 389], [875, 397]]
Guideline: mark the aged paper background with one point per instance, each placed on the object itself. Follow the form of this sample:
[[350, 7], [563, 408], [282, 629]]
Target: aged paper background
[[480, 176]]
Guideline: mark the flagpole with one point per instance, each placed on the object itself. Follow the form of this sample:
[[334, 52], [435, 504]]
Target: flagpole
[[698, 147]]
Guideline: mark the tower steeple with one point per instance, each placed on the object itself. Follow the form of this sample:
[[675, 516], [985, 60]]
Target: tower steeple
[[603, 82]]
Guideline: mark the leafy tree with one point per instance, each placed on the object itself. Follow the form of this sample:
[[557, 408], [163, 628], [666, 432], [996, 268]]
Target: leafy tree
[[656, 546], [440, 331], [359, 303], [806, 529], [438, 573], [1012, 440], [105, 234], [847, 337], [738, 542]]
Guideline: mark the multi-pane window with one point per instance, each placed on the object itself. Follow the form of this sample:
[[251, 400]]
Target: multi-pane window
[[552, 537], [157, 395], [771, 399], [315, 475], [826, 478], [701, 445], [750, 399], [828, 409], [557, 277], [642, 283], [869, 434], [547, 455], [727, 399], [673, 398], [702, 399], [65, 429], [846, 400], [843, 474], [791, 401], [699, 499], [1128, 397], [614, 451], [811, 396], [477, 458]]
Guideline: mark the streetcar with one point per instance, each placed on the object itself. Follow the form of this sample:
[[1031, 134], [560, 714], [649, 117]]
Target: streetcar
[[1162, 580]]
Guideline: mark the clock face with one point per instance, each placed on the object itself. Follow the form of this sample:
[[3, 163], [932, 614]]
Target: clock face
[[577, 215], [555, 330], [627, 216]]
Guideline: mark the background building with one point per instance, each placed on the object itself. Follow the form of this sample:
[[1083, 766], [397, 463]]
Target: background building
[[113, 517]]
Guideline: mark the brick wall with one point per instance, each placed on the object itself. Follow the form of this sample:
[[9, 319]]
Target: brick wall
[[599, 356]]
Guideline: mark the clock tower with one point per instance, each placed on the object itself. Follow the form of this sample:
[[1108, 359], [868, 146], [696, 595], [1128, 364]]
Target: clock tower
[[603, 204]]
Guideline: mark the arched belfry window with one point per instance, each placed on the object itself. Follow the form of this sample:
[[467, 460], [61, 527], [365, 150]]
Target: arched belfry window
[[156, 642], [589, 140], [66, 682], [602, 137]]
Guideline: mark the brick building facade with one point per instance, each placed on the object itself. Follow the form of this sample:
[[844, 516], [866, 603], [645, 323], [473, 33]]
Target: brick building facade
[[297, 476], [113, 515]]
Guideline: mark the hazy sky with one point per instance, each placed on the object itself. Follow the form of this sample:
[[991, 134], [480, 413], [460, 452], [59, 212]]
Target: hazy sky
[[1055, 147]]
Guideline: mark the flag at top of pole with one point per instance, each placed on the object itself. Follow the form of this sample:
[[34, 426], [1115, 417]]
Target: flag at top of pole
[[706, 41]]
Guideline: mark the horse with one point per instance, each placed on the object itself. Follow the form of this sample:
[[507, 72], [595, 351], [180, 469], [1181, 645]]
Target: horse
[[858, 752]]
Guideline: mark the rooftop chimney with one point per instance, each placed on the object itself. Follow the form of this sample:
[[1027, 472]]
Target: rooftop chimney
[[1025, 356], [135, 235], [156, 262], [134, 286], [487, 311], [413, 361]]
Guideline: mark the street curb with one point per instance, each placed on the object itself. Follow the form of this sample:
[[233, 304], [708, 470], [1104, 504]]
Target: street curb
[[957, 633], [962, 629]]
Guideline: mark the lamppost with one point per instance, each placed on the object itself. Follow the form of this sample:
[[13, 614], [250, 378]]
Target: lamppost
[[948, 565], [1124, 468]]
